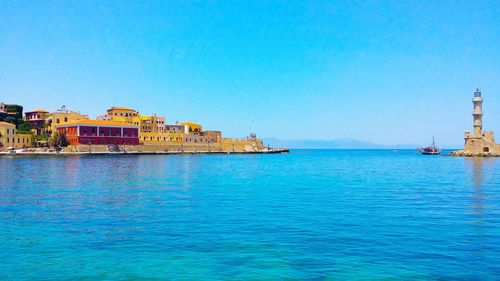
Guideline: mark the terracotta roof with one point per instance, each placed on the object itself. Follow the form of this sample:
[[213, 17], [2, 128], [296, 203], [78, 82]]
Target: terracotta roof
[[97, 123], [37, 110], [7, 124]]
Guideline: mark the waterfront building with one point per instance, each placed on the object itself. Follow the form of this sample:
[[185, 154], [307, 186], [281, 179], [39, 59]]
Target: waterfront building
[[161, 138], [10, 138], [94, 132], [37, 120], [122, 114], [152, 124], [213, 136], [149, 124], [191, 127], [193, 133], [196, 138], [63, 116], [155, 131], [479, 142], [174, 128]]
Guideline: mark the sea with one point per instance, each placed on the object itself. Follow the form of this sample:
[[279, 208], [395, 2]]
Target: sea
[[306, 215]]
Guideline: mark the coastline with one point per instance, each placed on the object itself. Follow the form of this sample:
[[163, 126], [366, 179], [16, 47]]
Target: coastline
[[71, 153]]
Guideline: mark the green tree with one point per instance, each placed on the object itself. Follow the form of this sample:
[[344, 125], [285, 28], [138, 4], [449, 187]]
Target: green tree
[[58, 140], [24, 127], [64, 142], [17, 109], [10, 120]]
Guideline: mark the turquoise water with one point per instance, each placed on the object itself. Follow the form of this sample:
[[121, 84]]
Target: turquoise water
[[309, 215]]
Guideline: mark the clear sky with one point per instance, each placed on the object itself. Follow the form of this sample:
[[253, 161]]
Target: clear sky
[[380, 71]]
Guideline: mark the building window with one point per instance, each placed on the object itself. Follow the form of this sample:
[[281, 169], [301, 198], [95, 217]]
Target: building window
[[57, 121], [7, 131], [65, 119]]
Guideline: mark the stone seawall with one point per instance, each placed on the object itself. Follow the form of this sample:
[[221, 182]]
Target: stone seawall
[[223, 146], [227, 144]]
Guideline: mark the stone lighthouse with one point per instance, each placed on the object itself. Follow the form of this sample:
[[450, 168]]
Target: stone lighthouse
[[478, 113], [478, 143]]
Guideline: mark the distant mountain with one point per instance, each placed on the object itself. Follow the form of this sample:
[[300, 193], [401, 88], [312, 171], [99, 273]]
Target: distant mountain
[[331, 144]]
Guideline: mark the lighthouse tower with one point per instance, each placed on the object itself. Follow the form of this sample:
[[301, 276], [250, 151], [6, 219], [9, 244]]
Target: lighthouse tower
[[478, 113], [479, 143]]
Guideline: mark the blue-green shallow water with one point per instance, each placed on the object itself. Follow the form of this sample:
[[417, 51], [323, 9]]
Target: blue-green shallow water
[[311, 214]]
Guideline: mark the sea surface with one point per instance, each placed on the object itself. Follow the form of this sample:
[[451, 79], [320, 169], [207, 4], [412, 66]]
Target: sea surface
[[307, 215]]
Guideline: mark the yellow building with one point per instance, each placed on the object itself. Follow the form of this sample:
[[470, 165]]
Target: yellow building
[[63, 116], [150, 124], [191, 127], [10, 138], [122, 114], [161, 138]]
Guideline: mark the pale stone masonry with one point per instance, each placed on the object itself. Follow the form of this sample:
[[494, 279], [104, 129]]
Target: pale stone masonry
[[478, 143]]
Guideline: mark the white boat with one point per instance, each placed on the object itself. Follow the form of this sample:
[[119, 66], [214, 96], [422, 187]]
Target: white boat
[[430, 150]]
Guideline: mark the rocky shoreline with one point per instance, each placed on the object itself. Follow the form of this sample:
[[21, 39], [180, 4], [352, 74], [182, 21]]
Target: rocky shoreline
[[462, 153]]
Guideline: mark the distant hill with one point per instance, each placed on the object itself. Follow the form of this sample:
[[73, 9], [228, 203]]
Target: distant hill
[[331, 144]]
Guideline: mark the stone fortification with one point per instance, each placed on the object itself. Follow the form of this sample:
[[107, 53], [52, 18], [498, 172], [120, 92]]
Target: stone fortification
[[224, 145]]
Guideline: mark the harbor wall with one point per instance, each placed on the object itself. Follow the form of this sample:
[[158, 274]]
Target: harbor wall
[[225, 145], [228, 144]]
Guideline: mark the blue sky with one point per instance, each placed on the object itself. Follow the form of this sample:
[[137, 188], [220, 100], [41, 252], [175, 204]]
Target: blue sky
[[380, 71]]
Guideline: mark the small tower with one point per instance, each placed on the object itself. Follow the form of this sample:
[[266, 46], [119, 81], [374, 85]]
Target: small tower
[[478, 113]]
